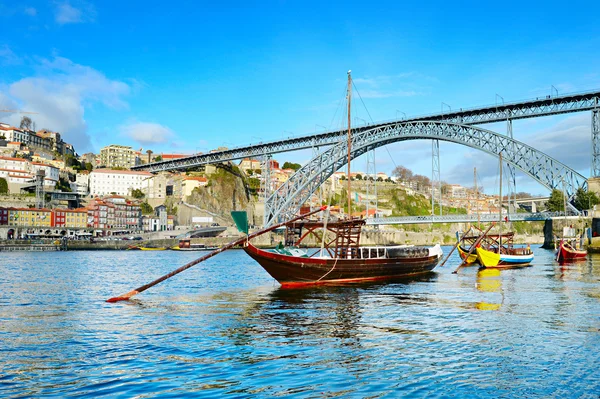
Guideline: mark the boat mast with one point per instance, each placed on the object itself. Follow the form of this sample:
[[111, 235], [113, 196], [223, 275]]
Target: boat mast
[[349, 137], [500, 208]]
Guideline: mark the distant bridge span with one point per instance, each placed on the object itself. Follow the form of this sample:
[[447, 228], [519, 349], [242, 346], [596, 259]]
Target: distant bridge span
[[287, 199]]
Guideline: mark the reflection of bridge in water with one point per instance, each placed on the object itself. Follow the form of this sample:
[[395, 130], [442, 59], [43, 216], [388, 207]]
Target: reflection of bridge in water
[[456, 127]]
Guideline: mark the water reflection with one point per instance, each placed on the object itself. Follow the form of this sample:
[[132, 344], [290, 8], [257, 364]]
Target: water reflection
[[489, 280]]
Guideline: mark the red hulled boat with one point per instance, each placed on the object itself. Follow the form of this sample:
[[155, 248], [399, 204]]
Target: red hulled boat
[[341, 260], [567, 253]]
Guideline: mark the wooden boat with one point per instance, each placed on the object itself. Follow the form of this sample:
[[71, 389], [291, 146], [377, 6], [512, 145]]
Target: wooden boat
[[519, 257], [463, 252], [141, 248], [498, 251], [567, 253], [186, 245], [340, 259], [345, 262]]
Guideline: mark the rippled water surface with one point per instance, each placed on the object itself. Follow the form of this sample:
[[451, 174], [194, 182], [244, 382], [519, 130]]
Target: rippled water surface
[[224, 327]]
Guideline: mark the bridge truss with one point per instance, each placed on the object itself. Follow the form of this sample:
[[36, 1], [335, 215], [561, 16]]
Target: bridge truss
[[287, 199], [550, 105]]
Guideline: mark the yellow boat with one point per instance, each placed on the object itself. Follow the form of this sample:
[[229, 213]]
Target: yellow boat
[[139, 248], [463, 255], [504, 261]]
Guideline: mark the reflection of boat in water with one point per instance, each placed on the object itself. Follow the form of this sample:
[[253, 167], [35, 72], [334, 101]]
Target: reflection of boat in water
[[488, 280], [568, 253], [187, 245]]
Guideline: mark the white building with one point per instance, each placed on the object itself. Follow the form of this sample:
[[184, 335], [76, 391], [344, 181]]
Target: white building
[[52, 172], [81, 185], [20, 173], [120, 182]]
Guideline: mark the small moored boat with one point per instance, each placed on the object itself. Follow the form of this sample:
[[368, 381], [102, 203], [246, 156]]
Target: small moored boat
[[567, 253]]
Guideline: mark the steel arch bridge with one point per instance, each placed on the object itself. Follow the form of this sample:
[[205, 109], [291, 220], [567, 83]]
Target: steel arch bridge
[[287, 199]]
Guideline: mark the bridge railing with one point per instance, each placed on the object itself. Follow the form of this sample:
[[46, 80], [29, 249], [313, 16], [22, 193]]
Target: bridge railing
[[458, 218]]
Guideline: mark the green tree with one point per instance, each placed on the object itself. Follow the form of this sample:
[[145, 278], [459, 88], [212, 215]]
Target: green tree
[[3, 186], [556, 201], [158, 158], [585, 199], [358, 176], [63, 185], [137, 193], [146, 208], [291, 165]]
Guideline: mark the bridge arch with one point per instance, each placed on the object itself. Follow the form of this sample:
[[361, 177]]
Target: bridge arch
[[551, 173]]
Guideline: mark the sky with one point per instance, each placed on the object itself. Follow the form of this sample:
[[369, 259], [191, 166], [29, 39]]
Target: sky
[[191, 76]]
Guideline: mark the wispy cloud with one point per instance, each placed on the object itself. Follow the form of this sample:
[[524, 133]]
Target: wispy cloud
[[32, 12], [74, 12], [59, 94], [8, 57], [405, 84], [146, 133]]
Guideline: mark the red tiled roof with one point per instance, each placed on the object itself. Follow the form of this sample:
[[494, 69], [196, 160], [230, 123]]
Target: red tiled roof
[[13, 159]]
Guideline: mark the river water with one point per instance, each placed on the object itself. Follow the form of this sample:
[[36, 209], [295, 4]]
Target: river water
[[224, 327]]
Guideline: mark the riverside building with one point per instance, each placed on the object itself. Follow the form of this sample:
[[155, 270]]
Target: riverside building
[[119, 182]]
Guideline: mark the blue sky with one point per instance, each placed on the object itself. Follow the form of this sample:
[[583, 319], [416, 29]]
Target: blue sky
[[190, 76]]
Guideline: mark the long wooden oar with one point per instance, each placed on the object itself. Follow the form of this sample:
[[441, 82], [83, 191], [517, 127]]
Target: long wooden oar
[[456, 245], [473, 247], [143, 288]]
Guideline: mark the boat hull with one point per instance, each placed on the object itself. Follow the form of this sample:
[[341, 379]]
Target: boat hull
[[470, 259], [492, 259], [292, 271], [566, 254]]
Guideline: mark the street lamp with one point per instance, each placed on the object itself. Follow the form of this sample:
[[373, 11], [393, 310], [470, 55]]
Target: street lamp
[[400, 112]]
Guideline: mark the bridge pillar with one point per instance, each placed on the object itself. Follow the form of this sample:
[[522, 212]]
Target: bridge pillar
[[596, 141], [548, 235]]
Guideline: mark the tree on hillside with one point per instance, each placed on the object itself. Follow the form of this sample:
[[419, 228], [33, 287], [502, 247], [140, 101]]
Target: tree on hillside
[[137, 193], [146, 208], [149, 152], [422, 182], [402, 173], [585, 199], [158, 158], [358, 176], [27, 123], [556, 201], [291, 165], [3, 186]]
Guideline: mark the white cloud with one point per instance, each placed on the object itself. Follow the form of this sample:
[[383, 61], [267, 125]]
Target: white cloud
[[8, 57], [32, 12], [60, 94], [66, 13], [146, 133], [407, 84]]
